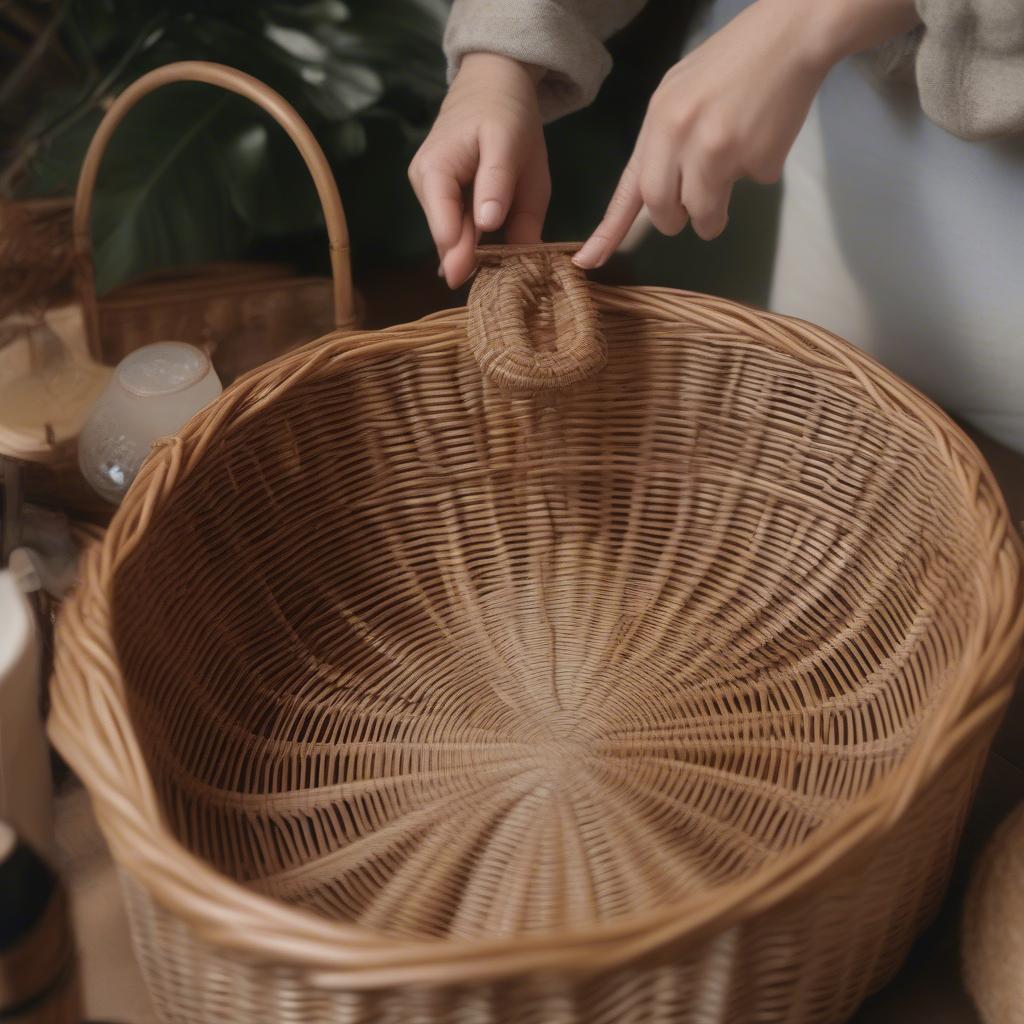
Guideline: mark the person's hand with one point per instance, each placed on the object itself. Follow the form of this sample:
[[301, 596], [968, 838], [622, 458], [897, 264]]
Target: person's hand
[[484, 162], [732, 108]]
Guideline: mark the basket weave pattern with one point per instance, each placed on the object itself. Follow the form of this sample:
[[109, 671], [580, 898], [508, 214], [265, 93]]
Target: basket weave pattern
[[418, 681], [813, 958]]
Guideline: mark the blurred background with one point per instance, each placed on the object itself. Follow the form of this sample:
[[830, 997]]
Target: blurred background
[[196, 175]]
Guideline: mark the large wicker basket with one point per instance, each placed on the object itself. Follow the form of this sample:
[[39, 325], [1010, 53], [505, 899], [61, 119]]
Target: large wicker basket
[[613, 656]]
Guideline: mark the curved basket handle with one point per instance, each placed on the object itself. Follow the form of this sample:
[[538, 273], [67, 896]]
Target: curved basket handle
[[522, 293], [263, 96]]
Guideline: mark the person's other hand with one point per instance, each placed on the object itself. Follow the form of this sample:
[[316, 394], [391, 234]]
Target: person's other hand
[[732, 108], [484, 162]]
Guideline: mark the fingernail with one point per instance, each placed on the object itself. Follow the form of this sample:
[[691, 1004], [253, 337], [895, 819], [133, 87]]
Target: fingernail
[[591, 255], [490, 215]]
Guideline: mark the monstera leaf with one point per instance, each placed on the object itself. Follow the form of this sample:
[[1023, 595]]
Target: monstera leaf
[[194, 174], [162, 197]]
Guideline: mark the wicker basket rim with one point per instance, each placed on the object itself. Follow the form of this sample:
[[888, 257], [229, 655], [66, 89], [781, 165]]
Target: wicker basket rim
[[88, 695]]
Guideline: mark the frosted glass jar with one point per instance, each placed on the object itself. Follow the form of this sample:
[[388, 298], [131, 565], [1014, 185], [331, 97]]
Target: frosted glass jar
[[154, 391]]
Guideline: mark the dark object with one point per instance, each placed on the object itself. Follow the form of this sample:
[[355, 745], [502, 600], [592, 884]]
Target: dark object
[[12, 489], [38, 970]]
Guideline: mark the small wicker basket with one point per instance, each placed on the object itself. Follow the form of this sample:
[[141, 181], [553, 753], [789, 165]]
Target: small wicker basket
[[590, 655], [213, 304]]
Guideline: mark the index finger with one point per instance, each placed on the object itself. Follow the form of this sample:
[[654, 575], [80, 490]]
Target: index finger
[[623, 209]]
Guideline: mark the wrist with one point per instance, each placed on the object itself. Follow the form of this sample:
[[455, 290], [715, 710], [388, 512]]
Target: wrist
[[831, 30], [492, 64]]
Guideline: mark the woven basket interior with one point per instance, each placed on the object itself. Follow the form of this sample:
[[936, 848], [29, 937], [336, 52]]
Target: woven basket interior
[[414, 653]]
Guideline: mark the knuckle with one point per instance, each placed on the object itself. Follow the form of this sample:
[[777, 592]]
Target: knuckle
[[495, 177], [717, 142], [672, 110], [764, 177], [668, 225], [710, 226], [666, 214], [424, 165], [660, 105], [700, 228], [652, 196], [766, 171], [679, 118], [669, 222], [497, 169]]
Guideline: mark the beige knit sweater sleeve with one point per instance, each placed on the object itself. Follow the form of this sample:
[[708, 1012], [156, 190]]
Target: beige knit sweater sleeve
[[969, 58], [564, 36], [970, 65]]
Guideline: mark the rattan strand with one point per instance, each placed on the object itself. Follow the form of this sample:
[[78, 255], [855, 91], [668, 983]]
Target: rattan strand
[[656, 698]]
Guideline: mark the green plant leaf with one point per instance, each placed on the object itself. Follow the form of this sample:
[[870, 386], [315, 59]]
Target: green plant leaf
[[165, 200], [345, 141], [162, 197], [269, 186], [53, 169]]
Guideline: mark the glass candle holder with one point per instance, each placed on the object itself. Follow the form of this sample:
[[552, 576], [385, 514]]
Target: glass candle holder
[[154, 392]]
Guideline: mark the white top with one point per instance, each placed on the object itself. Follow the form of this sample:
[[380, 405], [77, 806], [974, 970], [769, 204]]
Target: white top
[[163, 368]]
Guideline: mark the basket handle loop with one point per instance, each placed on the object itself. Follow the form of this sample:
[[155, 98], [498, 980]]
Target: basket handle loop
[[263, 96], [533, 324]]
